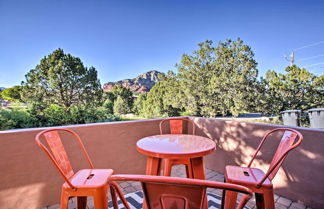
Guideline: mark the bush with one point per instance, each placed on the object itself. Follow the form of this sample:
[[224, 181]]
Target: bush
[[56, 115], [99, 114], [186, 113], [16, 118], [53, 115]]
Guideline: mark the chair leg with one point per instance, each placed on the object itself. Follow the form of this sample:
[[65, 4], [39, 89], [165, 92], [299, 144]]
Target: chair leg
[[167, 167], [259, 201], [115, 190], [81, 202], [64, 200], [223, 197], [114, 197], [230, 200], [189, 170], [269, 199], [100, 199]]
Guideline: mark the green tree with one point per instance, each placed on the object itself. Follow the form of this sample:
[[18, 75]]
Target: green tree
[[195, 72], [138, 107], [296, 89], [121, 106], [235, 81], [163, 99], [126, 95], [12, 94], [108, 104], [318, 95], [219, 80], [63, 80]]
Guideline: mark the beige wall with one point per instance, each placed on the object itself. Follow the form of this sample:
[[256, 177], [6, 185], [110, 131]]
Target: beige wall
[[29, 180], [302, 175]]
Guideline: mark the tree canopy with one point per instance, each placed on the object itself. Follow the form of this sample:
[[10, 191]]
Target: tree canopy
[[61, 90], [296, 89], [12, 94], [222, 80], [213, 80], [219, 80], [62, 79], [119, 100], [163, 99]]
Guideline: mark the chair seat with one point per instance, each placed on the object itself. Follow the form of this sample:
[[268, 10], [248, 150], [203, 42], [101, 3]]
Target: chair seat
[[91, 178], [245, 176]]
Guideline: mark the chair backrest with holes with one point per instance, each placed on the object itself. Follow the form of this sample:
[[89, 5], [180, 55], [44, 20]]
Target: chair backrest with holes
[[290, 140], [177, 125], [56, 152], [163, 192]]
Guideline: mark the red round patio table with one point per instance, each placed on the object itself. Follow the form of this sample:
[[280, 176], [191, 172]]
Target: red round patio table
[[176, 146]]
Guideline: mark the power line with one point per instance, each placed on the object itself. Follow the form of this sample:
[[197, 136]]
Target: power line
[[291, 59], [309, 58], [306, 46], [319, 63]]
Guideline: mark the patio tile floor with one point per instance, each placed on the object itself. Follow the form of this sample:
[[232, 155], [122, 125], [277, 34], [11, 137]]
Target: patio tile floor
[[179, 171]]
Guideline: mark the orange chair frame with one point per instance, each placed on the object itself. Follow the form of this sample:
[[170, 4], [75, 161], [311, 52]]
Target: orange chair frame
[[176, 126], [86, 182], [264, 192], [168, 192]]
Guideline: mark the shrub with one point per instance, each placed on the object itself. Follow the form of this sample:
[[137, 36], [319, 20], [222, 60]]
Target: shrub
[[81, 115], [56, 115], [16, 118]]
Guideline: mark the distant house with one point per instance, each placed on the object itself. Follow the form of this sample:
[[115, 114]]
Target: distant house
[[250, 115], [4, 103]]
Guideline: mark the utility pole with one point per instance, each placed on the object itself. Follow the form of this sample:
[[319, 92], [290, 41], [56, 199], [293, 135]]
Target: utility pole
[[291, 59]]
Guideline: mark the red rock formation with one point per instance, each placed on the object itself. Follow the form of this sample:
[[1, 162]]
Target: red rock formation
[[140, 84]]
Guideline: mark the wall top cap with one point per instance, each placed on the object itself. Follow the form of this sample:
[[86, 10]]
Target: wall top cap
[[315, 109], [291, 111]]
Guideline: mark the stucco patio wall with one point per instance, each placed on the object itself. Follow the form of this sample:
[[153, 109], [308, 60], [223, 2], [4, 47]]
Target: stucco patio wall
[[301, 176], [29, 180]]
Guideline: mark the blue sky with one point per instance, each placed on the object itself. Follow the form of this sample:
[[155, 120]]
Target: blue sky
[[124, 38]]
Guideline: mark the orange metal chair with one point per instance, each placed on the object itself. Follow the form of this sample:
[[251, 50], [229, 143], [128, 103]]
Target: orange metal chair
[[254, 178], [176, 127], [161, 192], [86, 182]]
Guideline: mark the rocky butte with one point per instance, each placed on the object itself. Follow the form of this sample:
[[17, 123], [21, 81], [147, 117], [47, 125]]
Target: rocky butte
[[140, 84]]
